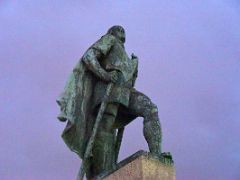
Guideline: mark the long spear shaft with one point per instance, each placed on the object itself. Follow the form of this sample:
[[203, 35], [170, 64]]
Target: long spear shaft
[[88, 150]]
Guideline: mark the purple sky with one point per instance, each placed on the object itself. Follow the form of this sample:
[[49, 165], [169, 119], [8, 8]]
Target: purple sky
[[189, 55]]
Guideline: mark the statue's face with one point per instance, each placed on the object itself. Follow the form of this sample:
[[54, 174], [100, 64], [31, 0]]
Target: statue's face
[[120, 34]]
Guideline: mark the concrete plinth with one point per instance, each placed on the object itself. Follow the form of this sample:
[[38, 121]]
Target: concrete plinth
[[142, 166]]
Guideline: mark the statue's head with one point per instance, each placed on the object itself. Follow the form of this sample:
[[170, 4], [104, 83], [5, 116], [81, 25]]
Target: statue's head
[[118, 32]]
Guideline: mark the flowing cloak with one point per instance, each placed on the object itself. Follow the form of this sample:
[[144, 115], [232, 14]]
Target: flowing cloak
[[75, 107], [76, 103]]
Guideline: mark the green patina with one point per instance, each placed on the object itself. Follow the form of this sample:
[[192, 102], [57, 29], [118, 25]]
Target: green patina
[[105, 62]]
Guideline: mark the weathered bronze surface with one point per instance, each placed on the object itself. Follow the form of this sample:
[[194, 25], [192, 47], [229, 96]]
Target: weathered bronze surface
[[105, 62]]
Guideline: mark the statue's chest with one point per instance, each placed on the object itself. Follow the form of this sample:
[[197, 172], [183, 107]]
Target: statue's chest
[[119, 60]]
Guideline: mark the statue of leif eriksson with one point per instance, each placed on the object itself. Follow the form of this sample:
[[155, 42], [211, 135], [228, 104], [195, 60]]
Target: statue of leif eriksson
[[99, 100]]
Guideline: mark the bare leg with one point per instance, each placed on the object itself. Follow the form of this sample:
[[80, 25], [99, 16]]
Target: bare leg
[[141, 105]]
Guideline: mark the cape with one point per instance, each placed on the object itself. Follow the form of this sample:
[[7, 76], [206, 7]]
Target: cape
[[75, 107]]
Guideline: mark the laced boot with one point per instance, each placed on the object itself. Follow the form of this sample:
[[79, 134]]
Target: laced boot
[[153, 136]]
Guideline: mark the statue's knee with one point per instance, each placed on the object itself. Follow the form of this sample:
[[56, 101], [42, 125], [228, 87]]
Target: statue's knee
[[151, 113], [154, 108]]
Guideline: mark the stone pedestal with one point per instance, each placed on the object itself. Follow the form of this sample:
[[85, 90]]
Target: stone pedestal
[[142, 166]]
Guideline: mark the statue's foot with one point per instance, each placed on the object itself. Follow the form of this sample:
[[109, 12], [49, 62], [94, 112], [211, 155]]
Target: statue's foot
[[165, 157]]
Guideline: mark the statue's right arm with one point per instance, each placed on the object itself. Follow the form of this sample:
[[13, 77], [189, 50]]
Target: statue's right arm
[[90, 58]]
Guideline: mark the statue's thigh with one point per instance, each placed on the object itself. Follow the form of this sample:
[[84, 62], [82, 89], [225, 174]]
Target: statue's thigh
[[139, 104]]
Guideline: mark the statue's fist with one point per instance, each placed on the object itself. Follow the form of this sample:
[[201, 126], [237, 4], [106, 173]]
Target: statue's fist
[[113, 76]]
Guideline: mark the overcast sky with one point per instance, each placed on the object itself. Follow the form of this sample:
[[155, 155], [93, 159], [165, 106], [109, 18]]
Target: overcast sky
[[189, 65]]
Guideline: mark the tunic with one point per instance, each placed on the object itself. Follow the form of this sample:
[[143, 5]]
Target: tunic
[[114, 57]]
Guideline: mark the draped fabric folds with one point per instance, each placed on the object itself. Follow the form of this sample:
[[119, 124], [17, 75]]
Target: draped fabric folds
[[75, 107]]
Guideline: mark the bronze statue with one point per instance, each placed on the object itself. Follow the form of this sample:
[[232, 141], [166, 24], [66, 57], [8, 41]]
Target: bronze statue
[[101, 87]]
